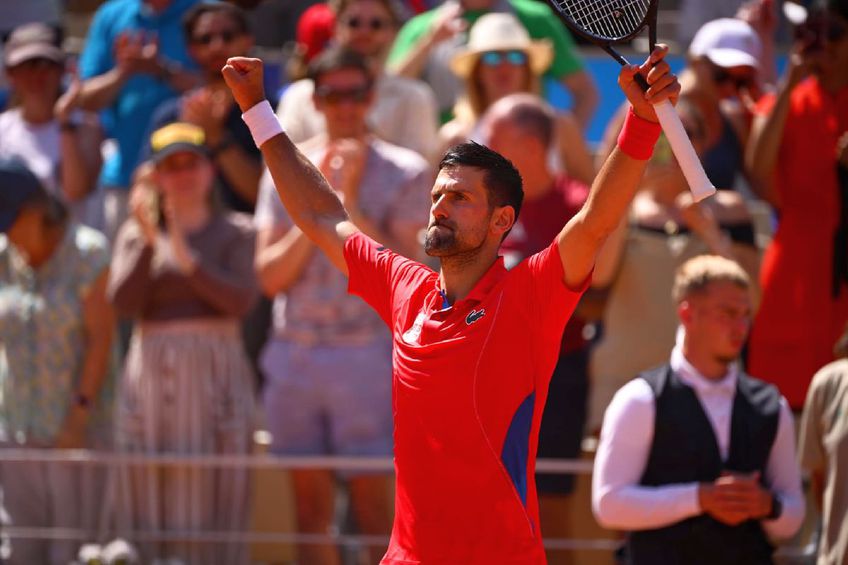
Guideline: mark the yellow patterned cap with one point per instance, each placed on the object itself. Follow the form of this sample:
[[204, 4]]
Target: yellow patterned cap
[[178, 136]]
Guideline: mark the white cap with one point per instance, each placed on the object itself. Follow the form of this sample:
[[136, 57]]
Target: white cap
[[727, 42]]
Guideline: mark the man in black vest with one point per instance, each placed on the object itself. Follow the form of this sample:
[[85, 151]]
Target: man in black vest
[[697, 459]]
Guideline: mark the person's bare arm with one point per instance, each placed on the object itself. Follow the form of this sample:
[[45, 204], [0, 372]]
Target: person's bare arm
[[766, 136], [79, 145], [616, 183], [281, 256], [241, 170], [134, 53], [572, 149], [445, 26], [310, 201], [81, 159], [99, 324], [609, 256], [209, 109], [584, 94]]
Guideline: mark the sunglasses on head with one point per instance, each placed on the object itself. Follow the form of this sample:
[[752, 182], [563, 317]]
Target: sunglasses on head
[[495, 58], [723, 77], [332, 95], [374, 24], [225, 36]]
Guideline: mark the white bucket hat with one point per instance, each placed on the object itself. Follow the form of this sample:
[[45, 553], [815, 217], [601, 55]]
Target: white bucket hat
[[727, 42], [501, 32]]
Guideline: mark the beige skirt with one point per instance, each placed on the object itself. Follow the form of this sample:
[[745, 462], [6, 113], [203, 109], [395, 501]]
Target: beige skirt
[[187, 388]]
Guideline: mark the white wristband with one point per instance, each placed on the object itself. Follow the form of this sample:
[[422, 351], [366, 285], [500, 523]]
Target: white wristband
[[262, 122]]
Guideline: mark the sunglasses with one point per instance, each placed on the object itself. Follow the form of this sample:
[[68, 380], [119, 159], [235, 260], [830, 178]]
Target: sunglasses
[[374, 24], [723, 77], [495, 58], [332, 95], [226, 36]]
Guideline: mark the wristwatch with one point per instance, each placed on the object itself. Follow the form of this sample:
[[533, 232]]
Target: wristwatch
[[776, 508]]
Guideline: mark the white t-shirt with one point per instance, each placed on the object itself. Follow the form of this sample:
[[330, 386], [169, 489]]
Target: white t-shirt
[[36, 144]]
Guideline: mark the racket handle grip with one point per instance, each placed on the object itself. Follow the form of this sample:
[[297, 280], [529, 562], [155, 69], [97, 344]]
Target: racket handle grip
[[699, 184]]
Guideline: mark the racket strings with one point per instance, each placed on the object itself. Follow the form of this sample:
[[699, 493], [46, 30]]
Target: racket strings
[[611, 19]]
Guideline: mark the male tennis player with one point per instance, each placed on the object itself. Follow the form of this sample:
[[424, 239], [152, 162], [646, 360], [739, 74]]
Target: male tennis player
[[474, 344]]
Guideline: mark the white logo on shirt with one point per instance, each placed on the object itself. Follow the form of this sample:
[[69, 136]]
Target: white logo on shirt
[[412, 334]]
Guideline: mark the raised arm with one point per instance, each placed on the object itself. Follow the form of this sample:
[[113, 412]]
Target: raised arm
[[766, 136], [616, 183], [310, 201]]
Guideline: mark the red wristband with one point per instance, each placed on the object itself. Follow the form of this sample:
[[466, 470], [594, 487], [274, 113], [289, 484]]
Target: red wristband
[[638, 136]]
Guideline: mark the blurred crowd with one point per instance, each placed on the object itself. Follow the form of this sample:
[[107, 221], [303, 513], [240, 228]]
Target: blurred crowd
[[155, 297]]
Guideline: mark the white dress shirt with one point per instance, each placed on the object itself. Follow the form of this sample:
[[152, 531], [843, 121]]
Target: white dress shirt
[[620, 502]]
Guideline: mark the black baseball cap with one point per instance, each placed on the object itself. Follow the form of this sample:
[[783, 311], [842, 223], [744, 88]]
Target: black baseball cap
[[18, 187]]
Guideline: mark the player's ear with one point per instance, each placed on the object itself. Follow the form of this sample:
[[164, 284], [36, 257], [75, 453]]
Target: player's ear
[[685, 312], [503, 218]]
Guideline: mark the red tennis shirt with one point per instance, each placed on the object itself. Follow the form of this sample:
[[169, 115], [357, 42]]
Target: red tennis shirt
[[470, 382]]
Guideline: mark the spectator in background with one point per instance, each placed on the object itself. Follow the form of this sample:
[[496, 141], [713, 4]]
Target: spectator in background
[[499, 60], [14, 14], [797, 155], [404, 110], [427, 43], [823, 449], [216, 31], [56, 360], [722, 79], [58, 143], [695, 13], [135, 58], [522, 128], [328, 368], [182, 268], [637, 263], [696, 459], [314, 33]]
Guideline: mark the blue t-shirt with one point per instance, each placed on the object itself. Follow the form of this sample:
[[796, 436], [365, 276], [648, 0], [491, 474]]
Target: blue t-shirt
[[131, 111]]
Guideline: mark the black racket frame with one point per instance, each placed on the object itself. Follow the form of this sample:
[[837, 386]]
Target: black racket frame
[[606, 44]]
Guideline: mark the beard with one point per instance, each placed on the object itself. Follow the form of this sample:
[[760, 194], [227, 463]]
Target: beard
[[446, 242], [440, 241]]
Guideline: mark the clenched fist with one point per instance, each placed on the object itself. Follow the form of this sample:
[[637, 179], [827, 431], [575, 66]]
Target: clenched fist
[[244, 77]]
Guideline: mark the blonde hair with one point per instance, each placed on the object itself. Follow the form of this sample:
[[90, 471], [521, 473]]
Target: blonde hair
[[471, 105], [693, 276]]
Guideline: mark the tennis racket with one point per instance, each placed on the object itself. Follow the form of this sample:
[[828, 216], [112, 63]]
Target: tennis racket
[[604, 22]]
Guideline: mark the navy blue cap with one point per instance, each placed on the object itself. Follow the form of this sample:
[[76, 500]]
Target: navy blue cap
[[18, 187]]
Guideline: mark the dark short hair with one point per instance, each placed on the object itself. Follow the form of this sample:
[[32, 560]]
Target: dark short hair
[[501, 179], [335, 59], [236, 14]]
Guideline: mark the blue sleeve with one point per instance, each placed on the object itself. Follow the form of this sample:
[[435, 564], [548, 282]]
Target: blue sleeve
[[97, 57]]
